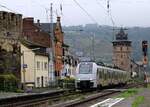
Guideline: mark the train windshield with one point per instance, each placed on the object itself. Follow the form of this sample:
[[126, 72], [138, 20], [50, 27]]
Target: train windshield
[[85, 68]]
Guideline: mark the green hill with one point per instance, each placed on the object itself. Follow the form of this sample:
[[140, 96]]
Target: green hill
[[80, 39]]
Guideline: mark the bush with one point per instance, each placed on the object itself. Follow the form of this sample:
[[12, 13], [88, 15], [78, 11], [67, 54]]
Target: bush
[[67, 82], [8, 82], [19, 91]]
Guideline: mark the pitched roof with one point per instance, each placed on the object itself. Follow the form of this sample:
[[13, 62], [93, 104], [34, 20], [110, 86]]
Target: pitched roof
[[33, 33], [46, 26], [32, 45]]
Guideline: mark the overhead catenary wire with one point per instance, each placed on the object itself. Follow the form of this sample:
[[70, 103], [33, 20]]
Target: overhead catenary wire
[[98, 2], [47, 10], [91, 17], [3, 6]]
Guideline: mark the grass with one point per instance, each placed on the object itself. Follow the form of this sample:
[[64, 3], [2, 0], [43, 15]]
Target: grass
[[148, 86], [138, 100], [82, 98], [129, 93]]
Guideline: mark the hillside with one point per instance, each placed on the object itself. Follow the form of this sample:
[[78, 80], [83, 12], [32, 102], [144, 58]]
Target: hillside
[[80, 39]]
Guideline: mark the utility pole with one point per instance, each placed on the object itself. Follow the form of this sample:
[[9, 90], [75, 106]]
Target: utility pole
[[24, 70], [92, 46], [52, 40]]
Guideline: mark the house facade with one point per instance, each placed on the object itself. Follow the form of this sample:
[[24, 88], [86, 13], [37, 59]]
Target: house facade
[[33, 33], [59, 40], [35, 71]]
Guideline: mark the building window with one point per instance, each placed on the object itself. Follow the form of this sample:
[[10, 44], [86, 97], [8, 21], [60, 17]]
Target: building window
[[45, 66], [38, 65], [4, 15], [121, 48], [46, 81], [121, 56], [41, 65], [121, 63], [38, 81]]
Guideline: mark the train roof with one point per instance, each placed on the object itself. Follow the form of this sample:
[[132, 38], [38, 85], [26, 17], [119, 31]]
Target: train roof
[[105, 67]]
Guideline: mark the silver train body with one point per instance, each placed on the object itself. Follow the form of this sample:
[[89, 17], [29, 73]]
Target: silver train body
[[90, 75]]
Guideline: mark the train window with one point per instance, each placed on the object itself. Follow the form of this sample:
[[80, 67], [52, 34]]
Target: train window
[[116, 76], [98, 73], [101, 73], [108, 74], [112, 74], [105, 73], [85, 68]]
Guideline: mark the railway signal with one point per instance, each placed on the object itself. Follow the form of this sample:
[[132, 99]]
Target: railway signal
[[145, 49]]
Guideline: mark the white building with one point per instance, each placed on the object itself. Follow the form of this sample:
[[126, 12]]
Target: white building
[[36, 65]]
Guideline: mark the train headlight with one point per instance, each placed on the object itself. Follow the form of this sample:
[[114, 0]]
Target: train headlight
[[91, 79]]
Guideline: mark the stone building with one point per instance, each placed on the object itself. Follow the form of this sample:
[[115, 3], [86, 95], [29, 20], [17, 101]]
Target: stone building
[[10, 31], [122, 51]]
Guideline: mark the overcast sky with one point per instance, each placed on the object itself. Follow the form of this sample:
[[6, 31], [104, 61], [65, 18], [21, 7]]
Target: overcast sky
[[125, 12]]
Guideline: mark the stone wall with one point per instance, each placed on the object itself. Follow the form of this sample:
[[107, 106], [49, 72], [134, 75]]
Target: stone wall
[[10, 32]]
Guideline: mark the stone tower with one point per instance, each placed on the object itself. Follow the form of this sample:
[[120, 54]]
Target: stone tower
[[122, 50]]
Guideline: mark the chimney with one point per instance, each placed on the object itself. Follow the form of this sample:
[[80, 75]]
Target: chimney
[[38, 23], [29, 20], [58, 19]]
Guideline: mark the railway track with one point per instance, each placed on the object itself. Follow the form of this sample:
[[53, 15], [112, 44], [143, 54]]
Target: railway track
[[85, 99], [30, 100], [81, 102], [35, 99]]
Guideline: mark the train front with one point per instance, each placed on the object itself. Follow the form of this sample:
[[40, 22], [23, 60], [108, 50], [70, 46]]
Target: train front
[[85, 76]]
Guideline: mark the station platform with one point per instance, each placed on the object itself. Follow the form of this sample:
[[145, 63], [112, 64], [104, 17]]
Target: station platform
[[6, 95], [144, 93]]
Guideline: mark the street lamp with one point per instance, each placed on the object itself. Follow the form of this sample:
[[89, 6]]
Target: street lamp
[[25, 65]]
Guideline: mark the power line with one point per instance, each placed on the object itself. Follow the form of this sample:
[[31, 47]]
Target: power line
[[98, 2], [85, 11], [48, 10], [8, 9]]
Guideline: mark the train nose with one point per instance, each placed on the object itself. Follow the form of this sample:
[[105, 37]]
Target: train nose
[[85, 84]]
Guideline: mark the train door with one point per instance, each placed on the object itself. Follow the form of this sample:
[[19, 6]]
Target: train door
[[110, 77], [97, 76], [102, 77], [42, 81]]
